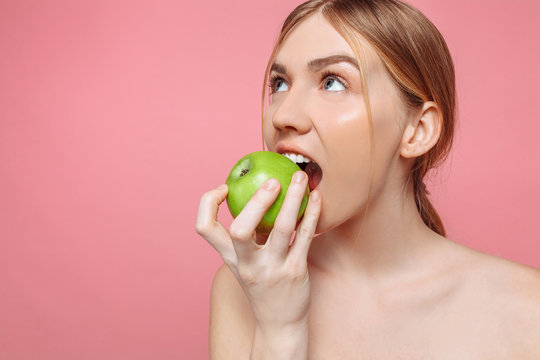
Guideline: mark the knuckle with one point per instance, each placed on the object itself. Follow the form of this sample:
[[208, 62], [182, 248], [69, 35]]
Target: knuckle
[[262, 198], [291, 265], [273, 277], [201, 227], [296, 269], [299, 277], [247, 276], [312, 212], [207, 196], [305, 231], [281, 231], [240, 232], [296, 273]]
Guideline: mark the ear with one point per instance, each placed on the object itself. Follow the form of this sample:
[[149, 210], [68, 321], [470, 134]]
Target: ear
[[422, 132]]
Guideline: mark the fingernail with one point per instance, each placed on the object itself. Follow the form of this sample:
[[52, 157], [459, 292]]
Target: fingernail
[[270, 184], [222, 187], [299, 177], [315, 196]]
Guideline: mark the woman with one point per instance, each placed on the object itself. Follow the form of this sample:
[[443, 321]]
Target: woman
[[366, 90]]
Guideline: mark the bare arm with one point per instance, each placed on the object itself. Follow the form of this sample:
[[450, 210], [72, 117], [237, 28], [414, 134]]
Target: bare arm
[[231, 319]]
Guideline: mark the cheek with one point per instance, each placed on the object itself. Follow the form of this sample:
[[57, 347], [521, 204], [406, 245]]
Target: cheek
[[268, 130], [345, 134], [348, 145]]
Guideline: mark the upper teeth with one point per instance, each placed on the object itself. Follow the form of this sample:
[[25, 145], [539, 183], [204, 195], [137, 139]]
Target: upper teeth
[[297, 158]]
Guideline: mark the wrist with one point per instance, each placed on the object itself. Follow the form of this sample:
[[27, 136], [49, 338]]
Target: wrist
[[282, 342]]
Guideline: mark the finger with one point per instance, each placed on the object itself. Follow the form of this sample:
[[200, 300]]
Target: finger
[[280, 237], [304, 234], [209, 227], [242, 229]]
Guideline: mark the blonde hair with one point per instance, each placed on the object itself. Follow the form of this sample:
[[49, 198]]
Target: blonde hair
[[418, 60]]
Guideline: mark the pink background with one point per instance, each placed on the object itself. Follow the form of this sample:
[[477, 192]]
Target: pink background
[[116, 116]]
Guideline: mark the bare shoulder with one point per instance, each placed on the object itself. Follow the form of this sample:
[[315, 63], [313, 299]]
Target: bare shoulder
[[231, 320], [510, 280], [492, 273], [506, 298]]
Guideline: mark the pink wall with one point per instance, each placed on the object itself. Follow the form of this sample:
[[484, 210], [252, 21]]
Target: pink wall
[[115, 117]]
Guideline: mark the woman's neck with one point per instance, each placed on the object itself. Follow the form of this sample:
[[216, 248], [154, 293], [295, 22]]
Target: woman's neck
[[391, 238]]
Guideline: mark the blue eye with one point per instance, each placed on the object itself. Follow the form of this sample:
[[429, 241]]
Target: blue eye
[[330, 80], [278, 83], [274, 83]]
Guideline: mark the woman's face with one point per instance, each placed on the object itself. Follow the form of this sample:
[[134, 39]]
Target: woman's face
[[324, 116]]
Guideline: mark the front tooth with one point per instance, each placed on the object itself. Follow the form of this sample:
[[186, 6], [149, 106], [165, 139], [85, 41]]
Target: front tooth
[[297, 158]]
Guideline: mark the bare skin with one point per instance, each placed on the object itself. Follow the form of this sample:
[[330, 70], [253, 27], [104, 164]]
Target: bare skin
[[380, 285], [475, 306]]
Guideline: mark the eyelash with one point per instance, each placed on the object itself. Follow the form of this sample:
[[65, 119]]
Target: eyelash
[[326, 74]]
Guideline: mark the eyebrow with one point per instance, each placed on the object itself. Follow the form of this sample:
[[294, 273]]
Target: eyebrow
[[318, 64]]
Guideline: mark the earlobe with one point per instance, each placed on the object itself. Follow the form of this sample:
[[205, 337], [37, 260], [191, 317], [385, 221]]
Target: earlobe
[[423, 132]]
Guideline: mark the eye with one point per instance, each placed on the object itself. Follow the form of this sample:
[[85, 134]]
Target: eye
[[331, 80], [279, 83], [275, 83]]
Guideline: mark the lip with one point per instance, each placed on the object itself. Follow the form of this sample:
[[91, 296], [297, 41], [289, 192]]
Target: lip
[[283, 147]]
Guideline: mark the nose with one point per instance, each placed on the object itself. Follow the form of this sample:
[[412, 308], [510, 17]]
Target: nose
[[293, 113]]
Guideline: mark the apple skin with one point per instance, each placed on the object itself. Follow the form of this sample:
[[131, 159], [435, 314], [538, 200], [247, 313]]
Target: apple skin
[[247, 176]]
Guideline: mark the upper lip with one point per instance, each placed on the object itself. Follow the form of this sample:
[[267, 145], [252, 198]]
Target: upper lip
[[284, 147]]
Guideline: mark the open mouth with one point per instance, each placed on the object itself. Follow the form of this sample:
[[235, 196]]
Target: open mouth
[[310, 167]]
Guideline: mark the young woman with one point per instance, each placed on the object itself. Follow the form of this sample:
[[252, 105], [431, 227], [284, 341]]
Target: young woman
[[365, 90]]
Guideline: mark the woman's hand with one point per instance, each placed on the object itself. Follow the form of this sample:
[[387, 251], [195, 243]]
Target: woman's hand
[[274, 276]]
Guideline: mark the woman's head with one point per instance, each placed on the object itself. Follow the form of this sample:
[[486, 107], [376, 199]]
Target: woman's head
[[388, 118]]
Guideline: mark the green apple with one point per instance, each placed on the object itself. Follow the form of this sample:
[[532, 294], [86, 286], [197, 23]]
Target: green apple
[[250, 173]]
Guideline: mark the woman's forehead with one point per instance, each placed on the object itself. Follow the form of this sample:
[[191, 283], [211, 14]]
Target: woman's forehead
[[315, 38]]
